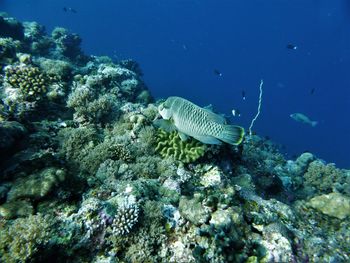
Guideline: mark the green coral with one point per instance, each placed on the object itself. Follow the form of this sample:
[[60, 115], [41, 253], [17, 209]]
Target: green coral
[[31, 82], [21, 239], [171, 145]]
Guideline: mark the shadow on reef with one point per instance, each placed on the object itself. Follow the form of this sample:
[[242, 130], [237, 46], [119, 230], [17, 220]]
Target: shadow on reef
[[85, 176]]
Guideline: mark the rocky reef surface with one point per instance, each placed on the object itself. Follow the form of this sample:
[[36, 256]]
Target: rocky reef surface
[[85, 176]]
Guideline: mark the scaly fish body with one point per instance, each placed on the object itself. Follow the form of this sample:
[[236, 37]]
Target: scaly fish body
[[303, 119], [199, 123]]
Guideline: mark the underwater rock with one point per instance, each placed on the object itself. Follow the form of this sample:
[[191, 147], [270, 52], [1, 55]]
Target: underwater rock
[[10, 27], [14, 209], [304, 160], [278, 248], [36, 185], [10, 134], [211, 178], [221, 218], [333, 204], [193, 211]]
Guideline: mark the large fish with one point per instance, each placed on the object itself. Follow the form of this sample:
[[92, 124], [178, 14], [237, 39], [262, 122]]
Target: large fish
[[303, 119], [200, 123]]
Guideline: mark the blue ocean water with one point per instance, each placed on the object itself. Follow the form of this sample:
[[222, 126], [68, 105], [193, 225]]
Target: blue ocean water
[[179, 44]]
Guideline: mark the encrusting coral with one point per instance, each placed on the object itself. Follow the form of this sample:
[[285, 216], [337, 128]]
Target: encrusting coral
[[170, 145]]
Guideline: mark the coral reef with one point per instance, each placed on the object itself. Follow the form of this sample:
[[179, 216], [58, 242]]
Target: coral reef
[[171, 145], [86, 176]]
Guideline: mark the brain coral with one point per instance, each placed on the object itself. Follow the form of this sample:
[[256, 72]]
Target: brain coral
[[171, 145]]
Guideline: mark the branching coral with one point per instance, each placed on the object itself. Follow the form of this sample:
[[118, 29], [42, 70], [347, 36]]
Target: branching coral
[[125, 219], [171, 145]]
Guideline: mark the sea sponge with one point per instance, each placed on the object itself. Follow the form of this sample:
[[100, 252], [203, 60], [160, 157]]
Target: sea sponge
[[171, 145]]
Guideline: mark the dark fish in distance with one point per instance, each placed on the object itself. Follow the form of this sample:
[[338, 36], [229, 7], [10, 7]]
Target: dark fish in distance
[[291, 46], [69, 9], [243, 95], [312, 91], [217, 73]]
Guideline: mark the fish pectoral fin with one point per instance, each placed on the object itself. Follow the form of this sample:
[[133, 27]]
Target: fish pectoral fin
[[208, 139], [166, 125], [183, 136]]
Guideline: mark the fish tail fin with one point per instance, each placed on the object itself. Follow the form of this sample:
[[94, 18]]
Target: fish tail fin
[[314, 123], [232, 134]]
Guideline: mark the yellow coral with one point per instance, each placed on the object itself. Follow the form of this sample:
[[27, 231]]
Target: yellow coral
[[31, 82]]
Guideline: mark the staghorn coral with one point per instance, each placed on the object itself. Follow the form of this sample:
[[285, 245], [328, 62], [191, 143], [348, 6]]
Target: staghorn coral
[[171, 145]]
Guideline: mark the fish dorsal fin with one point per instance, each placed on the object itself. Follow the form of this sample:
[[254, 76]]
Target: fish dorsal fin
[[209, 107], [215, 117]]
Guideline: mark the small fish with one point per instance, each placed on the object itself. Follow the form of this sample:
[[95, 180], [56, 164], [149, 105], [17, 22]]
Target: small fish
[[200, 123], [243, 95], [303, 119], [217, 72], [69, 9], [312, 91], [291, 46], [236, 113]]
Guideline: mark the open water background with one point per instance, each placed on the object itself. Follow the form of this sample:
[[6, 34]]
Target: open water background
[[179, 44]]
